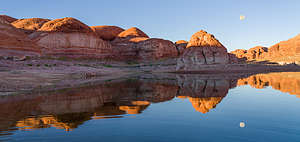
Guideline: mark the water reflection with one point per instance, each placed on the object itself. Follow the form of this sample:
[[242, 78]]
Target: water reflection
[[67, 109]]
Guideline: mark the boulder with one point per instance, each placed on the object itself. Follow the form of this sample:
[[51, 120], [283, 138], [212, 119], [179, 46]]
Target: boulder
[[107, 32], [202, 49], [8, 18]]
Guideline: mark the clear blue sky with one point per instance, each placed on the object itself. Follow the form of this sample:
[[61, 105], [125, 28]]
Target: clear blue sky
[[267, 21]]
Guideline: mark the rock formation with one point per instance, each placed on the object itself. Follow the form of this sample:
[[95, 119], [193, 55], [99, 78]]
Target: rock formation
[[181, 45], [70, 37], [30, 25], [284, 52], [134, 44], [132, 32], [8, 18], [202, 49], [255, 53], [107, 32], [14, 42]]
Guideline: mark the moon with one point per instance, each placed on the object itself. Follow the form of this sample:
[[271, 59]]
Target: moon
[[242, 17]]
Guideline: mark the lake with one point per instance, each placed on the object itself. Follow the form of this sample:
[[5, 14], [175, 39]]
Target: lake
[[148, 107]]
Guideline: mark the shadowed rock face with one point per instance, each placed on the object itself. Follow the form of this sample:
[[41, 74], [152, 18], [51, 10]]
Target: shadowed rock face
[[181, 45], [288, 82], [30, 25], [107, 32], [202, 49], [14, 42], [68, 109], [8, 18]]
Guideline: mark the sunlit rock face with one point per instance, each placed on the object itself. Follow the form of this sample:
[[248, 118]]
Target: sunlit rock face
[[134, 44], [132, 32], [202, 49], [181, 45], [288, 82], [7, 18], [30, 25], [204, 105], [107, 32], [14, 42], [70, 37], [255, 53], [284, 52]]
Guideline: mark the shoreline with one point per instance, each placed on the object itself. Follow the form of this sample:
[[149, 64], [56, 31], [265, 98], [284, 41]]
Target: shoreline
[[49, 74]]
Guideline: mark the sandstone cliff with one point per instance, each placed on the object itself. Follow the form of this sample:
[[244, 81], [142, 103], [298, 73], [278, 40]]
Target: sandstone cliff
[[70, 37], [14, 42], [202, 49], [284, 52]]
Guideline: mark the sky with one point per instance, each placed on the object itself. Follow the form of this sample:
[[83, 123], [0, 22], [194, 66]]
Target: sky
[[266, 21]]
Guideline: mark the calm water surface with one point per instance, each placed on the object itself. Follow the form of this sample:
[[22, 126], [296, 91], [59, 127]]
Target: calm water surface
[[262, 107]]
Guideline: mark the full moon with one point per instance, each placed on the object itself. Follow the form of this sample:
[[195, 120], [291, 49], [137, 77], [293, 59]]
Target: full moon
[[242, 17]]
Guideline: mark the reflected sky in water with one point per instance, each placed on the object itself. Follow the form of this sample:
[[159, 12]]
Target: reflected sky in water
[[263, 107]]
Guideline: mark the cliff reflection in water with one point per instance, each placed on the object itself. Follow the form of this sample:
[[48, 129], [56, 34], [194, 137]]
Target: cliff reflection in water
[[287, 82], [67, 109]]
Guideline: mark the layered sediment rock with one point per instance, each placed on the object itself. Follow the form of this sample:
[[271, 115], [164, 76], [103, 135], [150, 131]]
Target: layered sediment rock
[[202, 49], [181, 45], [70, 37], [14, 42], [29, 25], [134, 44], [107, 32]]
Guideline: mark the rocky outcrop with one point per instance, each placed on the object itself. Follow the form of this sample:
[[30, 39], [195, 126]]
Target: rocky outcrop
[[284, 52], [132, 32], [181, 45], [154, 48], [202, 49], [134, 44], [107, 32], [255, 53], [30, 25], [7, 18]]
